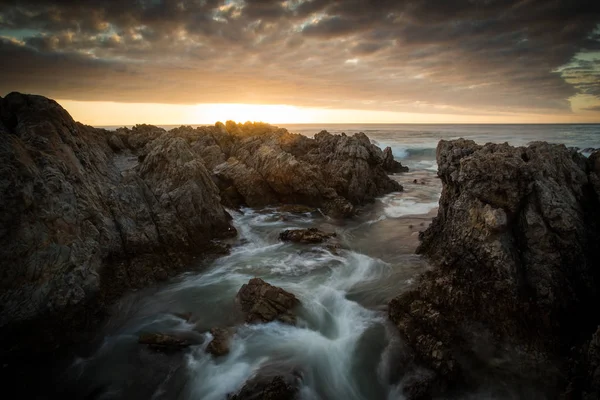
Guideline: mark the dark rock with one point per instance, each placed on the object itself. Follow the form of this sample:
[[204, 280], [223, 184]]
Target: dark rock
[[267, 389], [310, 235], [390, 164], [219, 346], [415, 181], [163, 342], [515, 245], [262, 302], [260, 165], [81, 224]]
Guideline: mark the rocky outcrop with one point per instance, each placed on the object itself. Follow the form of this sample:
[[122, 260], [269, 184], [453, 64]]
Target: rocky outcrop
[[82, 218], [390, 164], [262, 302], [310, 235], [515, 244], [259, 165]]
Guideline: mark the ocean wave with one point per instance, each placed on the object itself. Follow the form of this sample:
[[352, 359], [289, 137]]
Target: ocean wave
[[405, 206]]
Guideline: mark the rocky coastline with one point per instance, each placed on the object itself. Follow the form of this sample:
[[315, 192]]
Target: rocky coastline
[[517, 269], [88, 214]]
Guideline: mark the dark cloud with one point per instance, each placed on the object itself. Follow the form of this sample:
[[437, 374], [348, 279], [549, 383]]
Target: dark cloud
[[413, 55]]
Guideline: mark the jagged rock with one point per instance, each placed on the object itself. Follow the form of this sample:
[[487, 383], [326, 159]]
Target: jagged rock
[[391, 165], [259, 165], [310, 235], [80, 224], [515, 245], [262, 302], [219, 345], [163, 342]]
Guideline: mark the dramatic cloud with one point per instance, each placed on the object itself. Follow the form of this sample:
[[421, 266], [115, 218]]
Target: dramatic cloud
[[461, 56]]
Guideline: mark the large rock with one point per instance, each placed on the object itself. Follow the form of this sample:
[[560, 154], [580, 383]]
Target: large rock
[[262, 302], [81, 223], [515, 244], [259, 165]]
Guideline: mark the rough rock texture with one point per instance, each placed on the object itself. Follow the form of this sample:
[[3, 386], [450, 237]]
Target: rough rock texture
[[263, 302], [310, 235], [219, 345], [81, 223], [515, 245], [259, 165], [391, 165], [267, 389]]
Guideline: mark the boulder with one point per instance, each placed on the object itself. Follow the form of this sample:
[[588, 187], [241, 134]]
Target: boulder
[[515, 249], [219, 345], [262, 302], [310, 235]]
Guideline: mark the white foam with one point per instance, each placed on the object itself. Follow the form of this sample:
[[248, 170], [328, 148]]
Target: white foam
[[405, 206]]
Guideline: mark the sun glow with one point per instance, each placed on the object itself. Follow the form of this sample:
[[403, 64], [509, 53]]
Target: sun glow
[[273, 113], [100, 113]]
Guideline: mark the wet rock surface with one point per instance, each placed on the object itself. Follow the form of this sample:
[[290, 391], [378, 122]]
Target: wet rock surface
[[310, 235], [516, 255], [163, 342], [267, 388], [262, 302], [219, 345]]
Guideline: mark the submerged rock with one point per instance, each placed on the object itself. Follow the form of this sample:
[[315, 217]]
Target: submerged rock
[[262, 302], [163, 342], [310, 235], [515, 244]]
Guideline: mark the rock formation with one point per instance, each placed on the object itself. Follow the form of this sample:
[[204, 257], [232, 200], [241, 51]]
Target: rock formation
[[515, 245], [259, 165], [262, 302], [80, 223]]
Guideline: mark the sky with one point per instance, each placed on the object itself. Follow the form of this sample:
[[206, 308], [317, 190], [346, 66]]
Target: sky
[[118, 62]]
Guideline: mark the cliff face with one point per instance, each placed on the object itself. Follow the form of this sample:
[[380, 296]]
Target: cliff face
[[515, 245], [79, 222]]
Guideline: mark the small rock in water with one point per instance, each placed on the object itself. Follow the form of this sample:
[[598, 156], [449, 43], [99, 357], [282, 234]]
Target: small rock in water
[[415, 181], [297, 209], [267, 388], [311, 235], [263, 302], [163, 342], [219, 346]]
